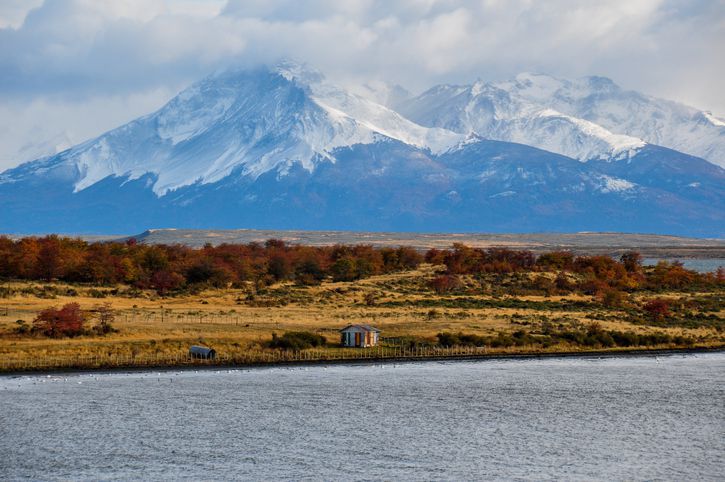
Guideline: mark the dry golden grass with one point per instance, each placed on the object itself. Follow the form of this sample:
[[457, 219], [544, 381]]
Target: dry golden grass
[[232, 323]]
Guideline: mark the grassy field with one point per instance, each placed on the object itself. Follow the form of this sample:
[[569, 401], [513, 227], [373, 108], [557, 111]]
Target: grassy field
[[239, 321]]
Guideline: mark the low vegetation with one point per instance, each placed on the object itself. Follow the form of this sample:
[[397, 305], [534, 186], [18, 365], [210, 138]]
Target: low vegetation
[[69, 321], [281, 298], [593, 336], [179, 269], [297, 340]]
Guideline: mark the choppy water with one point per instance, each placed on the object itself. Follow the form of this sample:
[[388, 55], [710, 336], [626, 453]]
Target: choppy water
[[704, 265], [639, 418]]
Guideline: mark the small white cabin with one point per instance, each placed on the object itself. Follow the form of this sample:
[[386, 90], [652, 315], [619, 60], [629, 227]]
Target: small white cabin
[[359, 336]]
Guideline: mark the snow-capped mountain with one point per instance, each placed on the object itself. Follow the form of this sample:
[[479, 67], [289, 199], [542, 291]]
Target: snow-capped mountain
[[657, 121], [256, 120], [282, 147], [588, 118]]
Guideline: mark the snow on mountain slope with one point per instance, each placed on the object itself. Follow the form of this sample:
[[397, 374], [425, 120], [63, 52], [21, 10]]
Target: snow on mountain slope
[[281, 147], [556, 132], [496, 113], [595, 117], [601, 101], [381, 92], [257, 120]]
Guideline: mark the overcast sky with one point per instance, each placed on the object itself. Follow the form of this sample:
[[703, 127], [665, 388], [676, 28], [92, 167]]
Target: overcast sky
[[71, 69]]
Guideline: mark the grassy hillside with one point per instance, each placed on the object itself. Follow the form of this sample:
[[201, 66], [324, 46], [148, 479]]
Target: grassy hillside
[[402, 305]]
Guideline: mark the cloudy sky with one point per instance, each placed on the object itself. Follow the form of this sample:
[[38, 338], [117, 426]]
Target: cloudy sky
[[71, 69]]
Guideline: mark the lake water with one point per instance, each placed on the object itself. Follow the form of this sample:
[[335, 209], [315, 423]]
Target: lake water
[[704, 265], [628, 418]]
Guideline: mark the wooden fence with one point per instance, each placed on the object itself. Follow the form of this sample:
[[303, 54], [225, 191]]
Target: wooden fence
[[251, 357]]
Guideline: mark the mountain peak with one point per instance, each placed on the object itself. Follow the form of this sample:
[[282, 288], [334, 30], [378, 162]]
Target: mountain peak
[[246, 121], [601, 84], [301, 72], [281, 146], [596, 119], [538, 85]]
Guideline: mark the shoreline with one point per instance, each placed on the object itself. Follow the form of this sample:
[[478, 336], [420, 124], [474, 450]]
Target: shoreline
[[208, 366]]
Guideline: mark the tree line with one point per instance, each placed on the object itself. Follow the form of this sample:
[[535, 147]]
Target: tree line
[[593, 336], [602, 276], [174, 268], [170, 268]]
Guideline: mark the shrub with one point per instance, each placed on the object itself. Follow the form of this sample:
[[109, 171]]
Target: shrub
[[344, 269], [632, 261], [309, 273], [611, 297], [460, 339], [58, 323], [106, 317], [296, 340], [445, 284], [22, 327], [658, 309], [448, 339], [594, 336]]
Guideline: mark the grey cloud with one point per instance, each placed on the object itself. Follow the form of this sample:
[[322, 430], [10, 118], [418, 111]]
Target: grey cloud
[[73, 50]]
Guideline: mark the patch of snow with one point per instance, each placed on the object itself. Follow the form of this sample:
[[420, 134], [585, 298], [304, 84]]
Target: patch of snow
[[604, 121], [614, 184], [251, 121], [617, 144], [503, 194], [714, 120]]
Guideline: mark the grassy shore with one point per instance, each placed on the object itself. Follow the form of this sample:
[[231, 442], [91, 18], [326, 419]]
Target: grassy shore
[[237, 323]]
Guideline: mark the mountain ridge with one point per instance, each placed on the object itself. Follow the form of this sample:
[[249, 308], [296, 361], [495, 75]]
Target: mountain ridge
[[497, 109], [282, 147]]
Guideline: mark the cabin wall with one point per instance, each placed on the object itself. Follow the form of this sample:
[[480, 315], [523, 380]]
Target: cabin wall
[[359, 338]]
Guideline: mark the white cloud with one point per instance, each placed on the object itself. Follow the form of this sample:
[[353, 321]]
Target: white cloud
[[70, 55], [44, 126], [13, 12]]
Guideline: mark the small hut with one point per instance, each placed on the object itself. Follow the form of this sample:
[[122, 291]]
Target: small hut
[[359, 336], [197, 351]]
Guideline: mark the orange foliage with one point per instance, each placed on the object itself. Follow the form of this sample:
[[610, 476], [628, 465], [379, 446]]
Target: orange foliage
[[170, 268]]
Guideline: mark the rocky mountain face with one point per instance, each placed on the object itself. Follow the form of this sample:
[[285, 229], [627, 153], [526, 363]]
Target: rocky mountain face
[[588, 118], [282, 147]]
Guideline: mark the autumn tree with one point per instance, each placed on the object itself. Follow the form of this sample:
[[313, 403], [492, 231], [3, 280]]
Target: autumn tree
[[106, 317], [632, 261], [164, 281], [344, 269], [309, 272], [56, 323], [445, 284], [658, 309], [556, 261]]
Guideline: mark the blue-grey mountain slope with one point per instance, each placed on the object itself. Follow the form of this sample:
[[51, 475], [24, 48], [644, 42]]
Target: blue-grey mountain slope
[[587, 118], [281, 148]]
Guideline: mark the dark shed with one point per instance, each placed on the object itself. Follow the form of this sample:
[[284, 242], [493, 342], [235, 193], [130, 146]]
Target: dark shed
[[197, 351]]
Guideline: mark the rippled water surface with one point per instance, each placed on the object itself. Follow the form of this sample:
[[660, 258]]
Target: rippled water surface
[[638, 418]]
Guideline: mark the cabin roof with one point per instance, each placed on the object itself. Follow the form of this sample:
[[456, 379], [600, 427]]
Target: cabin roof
[[367, 328], [201, 349]]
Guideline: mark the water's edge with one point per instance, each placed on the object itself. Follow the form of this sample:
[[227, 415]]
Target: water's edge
[[370, 361]]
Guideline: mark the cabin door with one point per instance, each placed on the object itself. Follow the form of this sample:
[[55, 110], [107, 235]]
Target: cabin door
[[357, 339]]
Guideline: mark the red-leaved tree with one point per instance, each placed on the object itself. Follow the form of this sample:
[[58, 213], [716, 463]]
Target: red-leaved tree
[[658, 309], [57, 323], [445, 284]]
